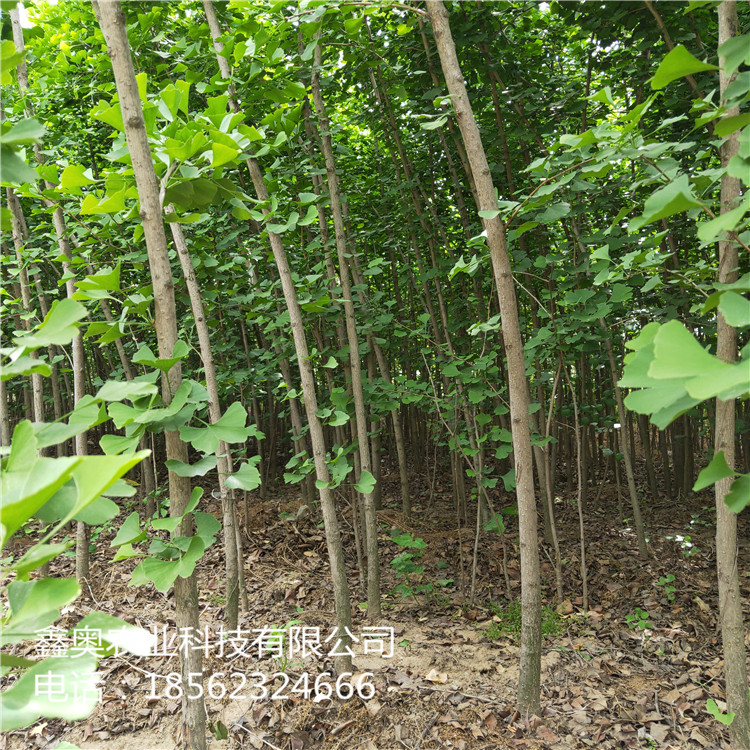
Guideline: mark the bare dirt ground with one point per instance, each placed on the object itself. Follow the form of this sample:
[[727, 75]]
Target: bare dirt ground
[[451, 681]]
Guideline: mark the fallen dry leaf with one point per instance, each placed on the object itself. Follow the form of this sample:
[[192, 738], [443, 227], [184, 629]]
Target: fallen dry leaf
[[546, 735], [434, 676]]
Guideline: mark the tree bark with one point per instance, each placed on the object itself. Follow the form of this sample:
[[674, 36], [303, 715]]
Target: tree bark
[[111, 19], [531, 637], [635, 503], [730, 602], [307, 378], [232, 561], [79, 361], [355, 362]]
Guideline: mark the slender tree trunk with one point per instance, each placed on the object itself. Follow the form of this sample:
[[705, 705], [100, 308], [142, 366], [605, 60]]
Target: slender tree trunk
[[363, 441], [307, 378], [730, 601], [17, 230], [4, 415], [643, 429], [530, 672], [112, 22], [625, 446], [665, 466], [584, 569], [79, 361], [231, 560]]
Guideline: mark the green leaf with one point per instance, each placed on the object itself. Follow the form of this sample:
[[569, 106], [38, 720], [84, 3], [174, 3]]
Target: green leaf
[[247, 478], [24, 493], [716, 470], [73, 177], [58, 327], [603, 96], [130, 531], [677, 63], [713, 709], [709, 231], [98, 512], [24, 365], [162, 573], [331, 363], [509, 480], [735, 309], [198, 469], [170, 523], [554, 212], [125, 552], [206, 527], [171, 96], [9, 661], [318, 305], [231, 427], [24, 133], [111, 115], [112, 444], [72, 694], [110, 204], [114, 390], [408, 540], [310, 216], [366, 483], [96, 285], [121, 488], [118, 633], [495, 523], [476, 395], [36, 604], [727, 125], [37, 556], [194, 552], [142, 81], [144, 356], [677, 354], [734, 52], [222, 154], [679, 358], [433, 125], [10, 57], [195, 497], [201, 438], [738, 496], [339, 418], [673, 198], [96, 474], [23, 448], [14, 170]]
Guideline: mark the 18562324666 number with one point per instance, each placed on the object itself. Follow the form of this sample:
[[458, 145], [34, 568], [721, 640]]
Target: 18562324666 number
[[259, 686]]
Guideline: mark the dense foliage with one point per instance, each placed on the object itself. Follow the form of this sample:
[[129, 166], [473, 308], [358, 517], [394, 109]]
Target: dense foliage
[[606, 132]]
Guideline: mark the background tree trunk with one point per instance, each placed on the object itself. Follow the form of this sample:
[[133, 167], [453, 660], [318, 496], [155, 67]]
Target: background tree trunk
[[730, 602], [531, 636]]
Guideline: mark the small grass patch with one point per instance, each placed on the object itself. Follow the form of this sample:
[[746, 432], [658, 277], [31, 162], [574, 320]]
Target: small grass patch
[[509, 620]]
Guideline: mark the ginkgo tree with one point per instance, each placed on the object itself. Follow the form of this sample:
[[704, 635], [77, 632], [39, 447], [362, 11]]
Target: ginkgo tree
[[325, 304]]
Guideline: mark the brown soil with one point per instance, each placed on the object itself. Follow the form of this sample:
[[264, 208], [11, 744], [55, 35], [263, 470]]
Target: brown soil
[[604, 685]]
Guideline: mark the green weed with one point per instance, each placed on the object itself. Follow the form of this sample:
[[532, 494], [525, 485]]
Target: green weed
[[510, 620]]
